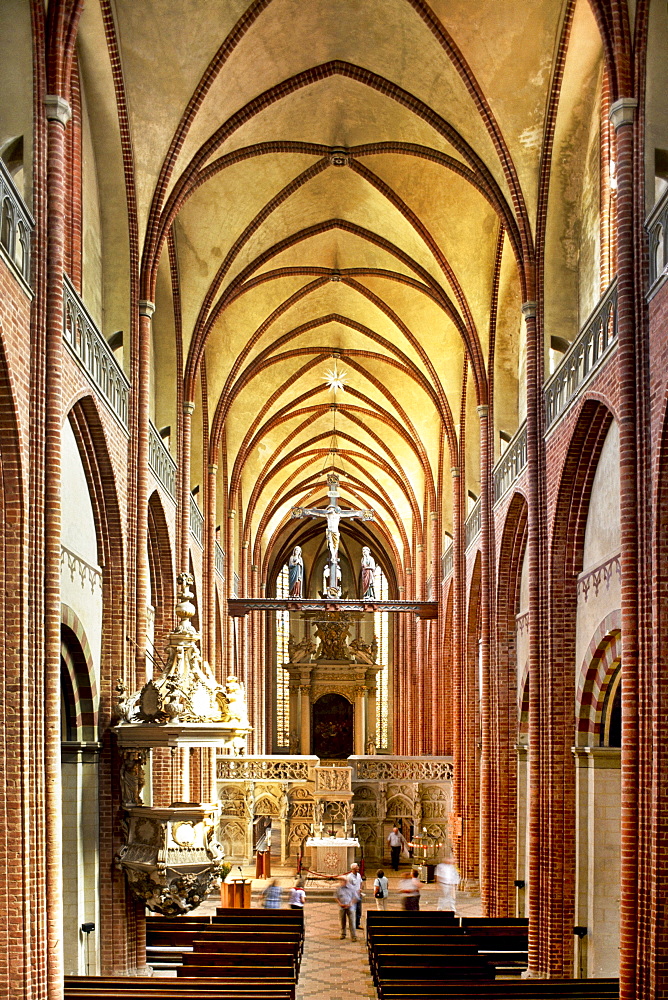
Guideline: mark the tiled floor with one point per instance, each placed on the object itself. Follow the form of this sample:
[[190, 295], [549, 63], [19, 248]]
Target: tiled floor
[[339, 970]]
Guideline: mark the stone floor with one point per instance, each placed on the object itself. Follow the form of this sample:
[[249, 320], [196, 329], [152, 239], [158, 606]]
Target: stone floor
[[333, 969]]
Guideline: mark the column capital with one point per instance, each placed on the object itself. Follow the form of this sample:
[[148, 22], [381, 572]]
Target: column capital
[[483, 410], [57, 109], [454, 472], [529, 310], [188, 407], [231, 513], [213, 468], [623, 112], [146, 308]]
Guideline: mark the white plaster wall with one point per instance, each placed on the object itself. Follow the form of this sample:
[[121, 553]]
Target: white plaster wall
[[92, 283], [604, 867], [522, 635], [81, 589], [80, 862], [602, 542]]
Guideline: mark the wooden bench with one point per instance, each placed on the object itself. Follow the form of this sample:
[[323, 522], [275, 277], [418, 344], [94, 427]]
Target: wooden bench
[[503, 940], [524, 989], [141, 988]]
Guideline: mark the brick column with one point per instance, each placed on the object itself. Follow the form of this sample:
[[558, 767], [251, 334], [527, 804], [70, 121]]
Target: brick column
[[184, 532], [58, 114], [622, 114], [209, 567], [535, 469], [141, 388], [458, 655], [486, 817]]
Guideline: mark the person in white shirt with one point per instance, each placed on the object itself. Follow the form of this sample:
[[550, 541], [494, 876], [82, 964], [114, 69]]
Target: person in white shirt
[[397, 843], [355, 881], [447, 880], [380, 889], [297, 896]]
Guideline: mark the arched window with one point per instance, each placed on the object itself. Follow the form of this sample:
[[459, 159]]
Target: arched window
[[282, 709]]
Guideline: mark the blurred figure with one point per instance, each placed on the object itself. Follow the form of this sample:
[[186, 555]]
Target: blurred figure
[[380, 889], [345, 897], [272, 896], [410, 889], [447, 879], [297, 895]]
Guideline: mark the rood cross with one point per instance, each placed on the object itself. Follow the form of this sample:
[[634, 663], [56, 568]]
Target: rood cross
[[332, 514]]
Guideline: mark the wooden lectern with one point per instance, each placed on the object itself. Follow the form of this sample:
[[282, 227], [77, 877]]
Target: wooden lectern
[[236, 894]]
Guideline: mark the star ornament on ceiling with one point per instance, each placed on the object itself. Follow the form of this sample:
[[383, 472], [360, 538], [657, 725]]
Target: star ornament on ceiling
[[335, 379]]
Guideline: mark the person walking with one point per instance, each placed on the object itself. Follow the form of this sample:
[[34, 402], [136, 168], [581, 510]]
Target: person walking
[[355, 880], [397, 843], [272, 896], [297, 895], [345, 897], [410, 889], [380, 889], [447, 880]]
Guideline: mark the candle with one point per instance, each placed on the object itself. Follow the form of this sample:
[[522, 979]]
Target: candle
[[311, 829], [354, 832]]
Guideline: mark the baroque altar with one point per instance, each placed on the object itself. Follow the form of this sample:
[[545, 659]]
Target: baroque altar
[[332, 687]]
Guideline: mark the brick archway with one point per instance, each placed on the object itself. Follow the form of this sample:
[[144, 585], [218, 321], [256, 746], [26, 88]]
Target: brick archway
[[598, 668]]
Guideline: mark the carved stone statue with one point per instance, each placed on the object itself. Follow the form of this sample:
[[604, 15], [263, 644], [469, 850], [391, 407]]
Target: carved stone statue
[[236, 702], [296, 572], [132, 776], [368, 569], [361, 650], [302, 651], [332, 634]]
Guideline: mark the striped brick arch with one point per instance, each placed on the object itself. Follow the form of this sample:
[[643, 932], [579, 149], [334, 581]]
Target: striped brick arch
[[81, 692], [599, 668]]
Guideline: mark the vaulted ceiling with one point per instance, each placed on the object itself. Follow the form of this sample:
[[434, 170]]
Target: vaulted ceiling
[[346, 182]]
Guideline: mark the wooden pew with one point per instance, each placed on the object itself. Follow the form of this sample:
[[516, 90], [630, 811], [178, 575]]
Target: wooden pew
[[504, 940], [141, 988], [524, 989]]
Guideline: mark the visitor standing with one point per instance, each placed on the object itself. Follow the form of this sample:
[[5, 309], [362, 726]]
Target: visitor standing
[[447, 879], [272, 896], [380, 889], [297, 895], [355, 880], [345, 897], [410, 889], [397, 843]]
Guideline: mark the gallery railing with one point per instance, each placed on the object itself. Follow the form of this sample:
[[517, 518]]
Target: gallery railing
[[447, 562], [511, 463], [473, 525], [94, 354], [657, 230], [196, 521], [16, 225], [585, 355], [160, 461], [219, 560]]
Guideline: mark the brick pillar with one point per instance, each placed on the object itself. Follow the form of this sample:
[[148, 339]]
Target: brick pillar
[[458, 645], [209, 567], [58, 114], [486, 812], [622, 114], [182, 562], [535, 470], [141, 388]]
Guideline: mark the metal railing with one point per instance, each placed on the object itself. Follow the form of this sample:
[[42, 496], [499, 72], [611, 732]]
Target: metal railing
[[511, 463], [584, 356], [219, 560], [657, 230], [447, 562], [160, 462], [196, 521], [235, 585], [473, 525], [92, 351], [16, 225]]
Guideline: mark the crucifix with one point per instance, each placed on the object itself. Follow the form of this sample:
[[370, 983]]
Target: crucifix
[[332, 514]]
